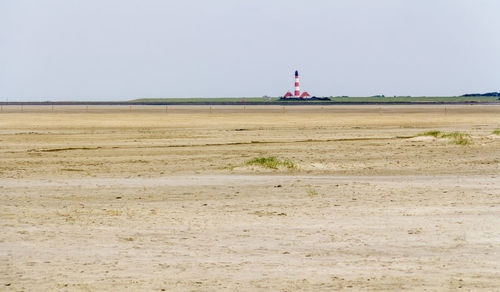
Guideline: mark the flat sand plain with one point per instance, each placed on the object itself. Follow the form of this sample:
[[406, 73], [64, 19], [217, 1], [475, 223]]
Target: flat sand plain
[[161, 199]]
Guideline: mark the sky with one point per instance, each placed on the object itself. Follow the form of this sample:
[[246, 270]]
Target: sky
[[126, 49]]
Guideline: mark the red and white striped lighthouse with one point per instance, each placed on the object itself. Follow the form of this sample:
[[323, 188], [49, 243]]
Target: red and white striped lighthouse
[[297, 87], [297, 94]]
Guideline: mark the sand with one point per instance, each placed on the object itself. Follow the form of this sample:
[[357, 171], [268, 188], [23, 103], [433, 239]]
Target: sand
[[155, 198]]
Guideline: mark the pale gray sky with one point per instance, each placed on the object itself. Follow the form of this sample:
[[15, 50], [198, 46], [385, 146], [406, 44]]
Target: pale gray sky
[[124, 49]]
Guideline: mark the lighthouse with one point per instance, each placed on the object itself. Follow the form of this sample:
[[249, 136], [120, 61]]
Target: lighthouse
[[296, 93], [297, 86]]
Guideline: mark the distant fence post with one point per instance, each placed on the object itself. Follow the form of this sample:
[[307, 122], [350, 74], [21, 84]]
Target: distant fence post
[[284, 110], [52, 108], [210, 109], [129, 108], [166, 108]]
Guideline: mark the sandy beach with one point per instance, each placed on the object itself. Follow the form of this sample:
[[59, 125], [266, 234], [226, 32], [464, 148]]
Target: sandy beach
[[162, 198]]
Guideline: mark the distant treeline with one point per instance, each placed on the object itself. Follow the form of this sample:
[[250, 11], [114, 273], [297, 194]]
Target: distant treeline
[[484, 94]]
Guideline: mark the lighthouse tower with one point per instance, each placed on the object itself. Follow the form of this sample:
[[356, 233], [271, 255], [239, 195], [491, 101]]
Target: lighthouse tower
[[297, 87]]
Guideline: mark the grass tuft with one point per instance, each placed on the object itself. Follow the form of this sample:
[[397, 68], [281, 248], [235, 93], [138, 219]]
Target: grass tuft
[[312, 193], [462, 141], [457, 137], [496, 132], [434, 133], [271, 162], [454, 135]]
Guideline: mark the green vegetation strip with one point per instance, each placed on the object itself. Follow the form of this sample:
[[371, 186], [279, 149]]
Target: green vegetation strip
[[496, 132], [332, 99], [206, 100]]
